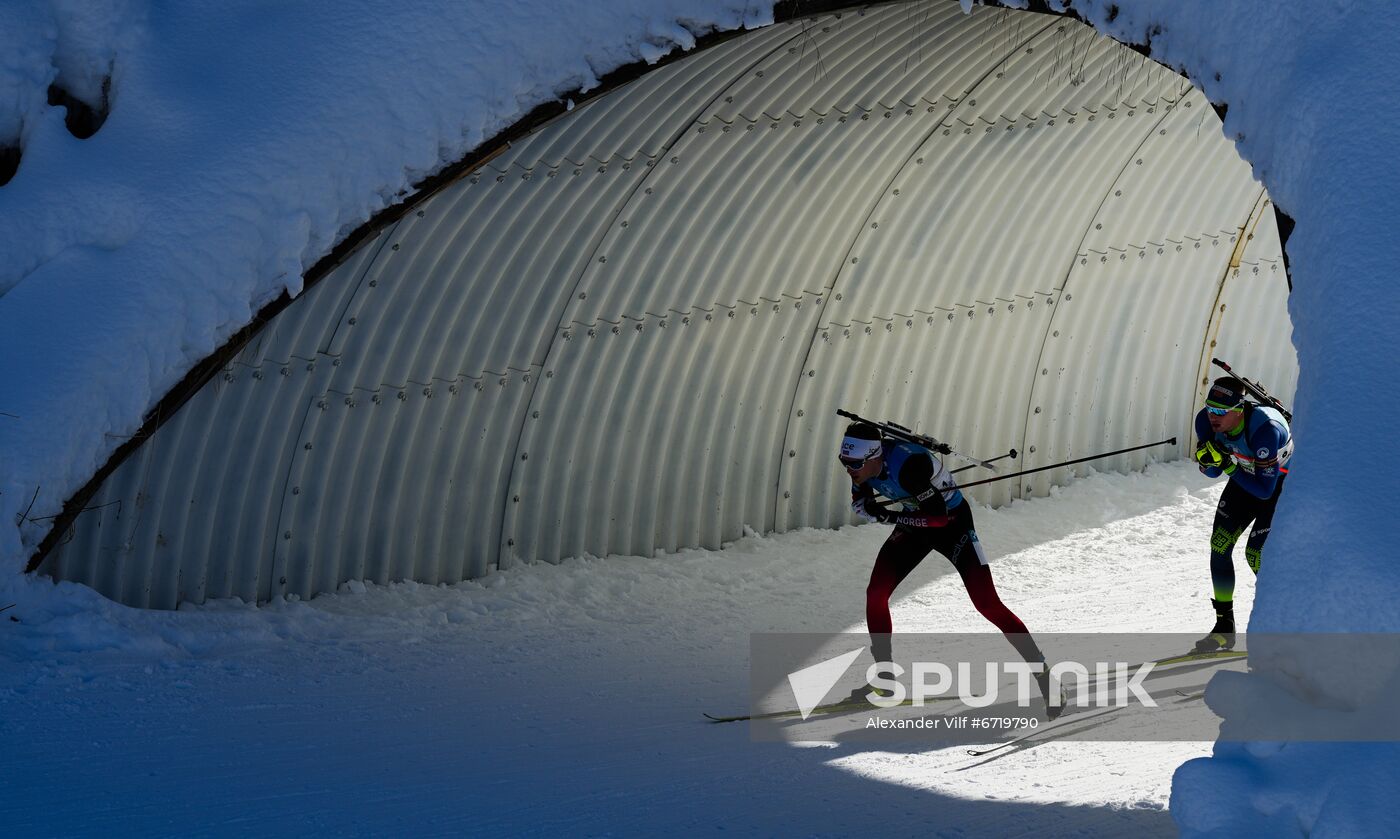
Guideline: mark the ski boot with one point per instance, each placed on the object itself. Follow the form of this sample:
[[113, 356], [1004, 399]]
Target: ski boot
[[1053, 707], [1222, 635], [858, 696]]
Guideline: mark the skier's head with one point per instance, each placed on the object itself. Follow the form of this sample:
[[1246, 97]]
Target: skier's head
[[861, 451], [1225, 403]]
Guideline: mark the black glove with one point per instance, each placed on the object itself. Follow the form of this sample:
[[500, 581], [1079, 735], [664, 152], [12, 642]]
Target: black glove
[[875, 511]]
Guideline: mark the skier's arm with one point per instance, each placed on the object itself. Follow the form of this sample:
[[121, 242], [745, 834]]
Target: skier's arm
[[917, 479], [1265, 442]]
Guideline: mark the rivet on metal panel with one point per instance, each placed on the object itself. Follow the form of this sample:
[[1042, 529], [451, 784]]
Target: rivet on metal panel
[[286, 535], [296, 490], [1001, 75], [748, 127], [787, 494], [616, 330], [375, 399], [453, 389], [865, 116], [1045, 371], [1069, 296], [846, 333], [1132, 113], [760, 72], [1071, 120], [1030, 304], [625, 223], [967, 130], [990, 310], [228, 377], [661, 323], [709, 317], [792, 452], [1055, 334], [257, 374], [535, 414], [502, 381], [567, 336], [729, 99], [1118, 193], [685, 321], [989, 130], [499, 178], [753, 310], [578, 172], [353, 321], [1122, 256], [428, 392], [838, 297], [476, 180], [373, 283], [801, 413], [675, 160], [1139, 161], [549, 374], [811, 373], [889, 327], [1051, 123], [1222, 307], [476, 385], [510, 543], [1037, 409], [1197, 246], [797, 123], [730, 313], [321, 404], [1032, 449], [700, 130], [524, 456], [638, 327], [602, 170], [1159, 250], [311, 368], [349, 402], [1188, 104], [867, 330], [307, 447], [946, 132], [602, 259], [525, 176], [1111, 115], [896, 192], [335, 362], [950, 316], [1212, 343], [1236, 273], [286, 371], [855, 259], [972, 102], [909, 322], [1232, 239], [821, 121], [1083, 262], [909, 112], [887, 114], [776, 307], [930, 319], [1256, 269], [516, 499], [403, 395], [1214, 242]]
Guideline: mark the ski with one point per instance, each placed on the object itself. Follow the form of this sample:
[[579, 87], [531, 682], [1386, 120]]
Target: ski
[[833, 708], [1068, 718], [1195, 656]]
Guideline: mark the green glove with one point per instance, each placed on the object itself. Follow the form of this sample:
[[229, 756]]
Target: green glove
[[1209, 457]]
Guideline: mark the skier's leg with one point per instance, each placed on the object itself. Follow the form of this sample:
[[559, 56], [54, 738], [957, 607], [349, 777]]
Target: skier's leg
[[1232, 515], [1254, 547], [901, 553]]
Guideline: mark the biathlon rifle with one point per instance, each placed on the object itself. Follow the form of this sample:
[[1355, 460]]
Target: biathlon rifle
[[1255, 389]]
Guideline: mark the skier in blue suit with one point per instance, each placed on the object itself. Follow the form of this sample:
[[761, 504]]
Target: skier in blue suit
[[1251, 445]]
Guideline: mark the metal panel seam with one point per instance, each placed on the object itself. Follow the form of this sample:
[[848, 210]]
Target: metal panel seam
[[830, 290], [1050, 325]]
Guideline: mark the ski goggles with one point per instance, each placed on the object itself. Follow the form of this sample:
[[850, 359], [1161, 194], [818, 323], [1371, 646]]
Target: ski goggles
[[856, 453], [1221, 412]]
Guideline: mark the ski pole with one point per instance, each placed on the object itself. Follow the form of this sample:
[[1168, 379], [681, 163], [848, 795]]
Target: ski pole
[[1168, 442], [1255, 389], [1011, 454], [894, 429]]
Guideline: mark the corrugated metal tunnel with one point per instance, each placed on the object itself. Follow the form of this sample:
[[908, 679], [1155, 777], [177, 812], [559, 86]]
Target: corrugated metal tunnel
[[629, 332]]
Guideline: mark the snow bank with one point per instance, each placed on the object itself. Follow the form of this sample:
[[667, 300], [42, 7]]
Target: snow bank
[[244, 140]]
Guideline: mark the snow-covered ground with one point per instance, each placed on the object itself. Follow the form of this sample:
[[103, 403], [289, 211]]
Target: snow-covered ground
[[566, 700]]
